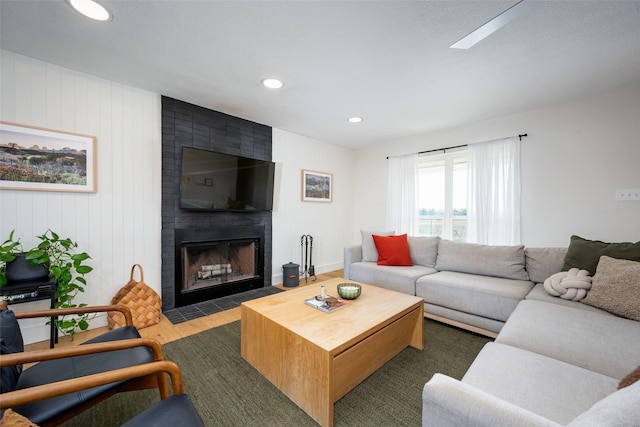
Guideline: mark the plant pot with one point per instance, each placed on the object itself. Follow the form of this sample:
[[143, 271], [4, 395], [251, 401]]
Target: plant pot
[[19, 270]]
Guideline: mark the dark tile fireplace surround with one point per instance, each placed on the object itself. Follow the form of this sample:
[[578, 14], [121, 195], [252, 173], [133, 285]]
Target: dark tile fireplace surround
[[245, 233]]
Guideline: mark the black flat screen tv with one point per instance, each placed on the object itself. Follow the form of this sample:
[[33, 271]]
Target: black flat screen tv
[[214, 181]]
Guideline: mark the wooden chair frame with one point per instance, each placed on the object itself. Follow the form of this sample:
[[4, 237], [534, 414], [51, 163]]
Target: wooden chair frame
[[132, 382], [150, 371]]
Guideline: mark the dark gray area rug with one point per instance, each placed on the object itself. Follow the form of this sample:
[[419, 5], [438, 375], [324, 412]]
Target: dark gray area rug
[[227, 391]]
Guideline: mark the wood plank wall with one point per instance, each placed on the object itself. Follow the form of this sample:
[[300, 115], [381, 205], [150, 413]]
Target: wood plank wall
[[120, 224]]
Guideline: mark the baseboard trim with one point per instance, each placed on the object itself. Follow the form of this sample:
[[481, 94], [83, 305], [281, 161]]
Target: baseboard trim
[[461, 325]]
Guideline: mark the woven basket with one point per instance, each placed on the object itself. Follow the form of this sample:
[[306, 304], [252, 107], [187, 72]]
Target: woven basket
[[144, 303]]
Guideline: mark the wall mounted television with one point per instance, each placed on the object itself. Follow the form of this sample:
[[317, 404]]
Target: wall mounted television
[[213, 181]]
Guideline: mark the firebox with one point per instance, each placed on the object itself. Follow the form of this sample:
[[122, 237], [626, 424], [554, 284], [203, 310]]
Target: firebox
[[216, 262]]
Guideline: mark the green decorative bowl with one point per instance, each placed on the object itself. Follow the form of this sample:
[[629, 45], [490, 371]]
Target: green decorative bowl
[[349, 290]]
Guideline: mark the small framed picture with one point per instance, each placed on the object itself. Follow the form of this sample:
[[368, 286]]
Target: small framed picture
[[40, 159], [316, 186]]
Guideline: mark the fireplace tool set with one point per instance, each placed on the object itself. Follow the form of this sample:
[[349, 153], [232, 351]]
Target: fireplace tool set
[[306, 257]]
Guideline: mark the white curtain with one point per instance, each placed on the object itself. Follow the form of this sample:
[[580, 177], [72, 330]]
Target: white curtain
[[494, 192], [402, 194]]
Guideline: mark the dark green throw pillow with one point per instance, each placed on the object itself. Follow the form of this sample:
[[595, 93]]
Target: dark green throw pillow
[[584, 254]]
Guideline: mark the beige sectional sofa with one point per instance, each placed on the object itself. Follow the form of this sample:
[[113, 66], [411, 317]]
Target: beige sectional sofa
[[553, 362], [476, 287]]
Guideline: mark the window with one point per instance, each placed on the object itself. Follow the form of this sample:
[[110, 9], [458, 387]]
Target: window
[[442, 195]]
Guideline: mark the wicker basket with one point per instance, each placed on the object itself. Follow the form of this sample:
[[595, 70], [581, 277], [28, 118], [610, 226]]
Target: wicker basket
[[144, 303]]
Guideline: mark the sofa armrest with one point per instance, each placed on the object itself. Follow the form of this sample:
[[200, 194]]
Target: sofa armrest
[[351, 254], [449, 402]]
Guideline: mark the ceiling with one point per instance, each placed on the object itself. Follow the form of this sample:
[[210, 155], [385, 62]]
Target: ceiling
[[387, 61]]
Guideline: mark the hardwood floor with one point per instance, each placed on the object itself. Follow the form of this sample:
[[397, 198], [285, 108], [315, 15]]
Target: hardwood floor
[[166, 332]]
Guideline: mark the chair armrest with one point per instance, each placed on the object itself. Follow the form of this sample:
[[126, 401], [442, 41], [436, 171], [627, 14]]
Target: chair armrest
[[351, 254], [81, 350], [449, 402], [32, 394], [29, 314]]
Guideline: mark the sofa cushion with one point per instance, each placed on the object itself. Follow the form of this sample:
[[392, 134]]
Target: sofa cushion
[[621, 408], [393, 250], [10, 342], [400, 279], [585, 254], [538, 293], [543, 385], [472, 320], [369, 251], [543, 262], [487, 260], [582, 338], [616, 287], [424, 250], [491, 297]]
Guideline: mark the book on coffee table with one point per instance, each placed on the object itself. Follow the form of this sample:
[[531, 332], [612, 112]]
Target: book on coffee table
[[328, 305]]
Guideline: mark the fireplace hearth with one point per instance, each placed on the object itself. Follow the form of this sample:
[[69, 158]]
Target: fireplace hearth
[[216, 262]]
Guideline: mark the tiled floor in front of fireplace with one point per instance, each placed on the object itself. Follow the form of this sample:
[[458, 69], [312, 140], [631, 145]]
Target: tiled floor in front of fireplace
[[201, 309]]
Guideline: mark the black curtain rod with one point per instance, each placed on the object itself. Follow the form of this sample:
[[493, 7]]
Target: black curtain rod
[[522, 135]]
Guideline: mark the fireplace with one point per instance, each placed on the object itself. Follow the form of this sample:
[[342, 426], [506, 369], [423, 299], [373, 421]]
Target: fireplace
[[216, 262], [188, 125]]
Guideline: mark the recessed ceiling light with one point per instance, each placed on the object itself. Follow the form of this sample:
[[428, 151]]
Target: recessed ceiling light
[[272, 83], [91, 9], [354, 119]]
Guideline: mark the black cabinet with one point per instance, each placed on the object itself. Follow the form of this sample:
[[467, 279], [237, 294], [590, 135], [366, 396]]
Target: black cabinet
[[19, 292]]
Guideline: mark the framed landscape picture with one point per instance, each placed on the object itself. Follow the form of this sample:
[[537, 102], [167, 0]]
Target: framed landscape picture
[[316, 186], [39, 159]]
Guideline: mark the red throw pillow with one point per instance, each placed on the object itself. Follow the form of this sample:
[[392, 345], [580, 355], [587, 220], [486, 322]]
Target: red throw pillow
[[393, 250]]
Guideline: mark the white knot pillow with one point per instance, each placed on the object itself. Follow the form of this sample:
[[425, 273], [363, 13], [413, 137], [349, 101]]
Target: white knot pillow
[[571, 285]]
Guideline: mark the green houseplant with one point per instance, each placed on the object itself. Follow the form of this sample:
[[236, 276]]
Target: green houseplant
[[64, 263]]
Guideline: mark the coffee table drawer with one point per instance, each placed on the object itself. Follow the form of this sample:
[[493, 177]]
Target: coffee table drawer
[[356, 363]]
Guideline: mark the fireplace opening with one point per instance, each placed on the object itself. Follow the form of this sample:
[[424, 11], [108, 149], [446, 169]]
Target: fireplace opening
[[218, 262]]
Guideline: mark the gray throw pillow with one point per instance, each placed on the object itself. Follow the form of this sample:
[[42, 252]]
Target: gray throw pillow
[[615, 287], [369, 251]]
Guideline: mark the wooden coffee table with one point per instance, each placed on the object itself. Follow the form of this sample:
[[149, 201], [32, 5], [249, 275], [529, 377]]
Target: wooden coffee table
[[315, 358]]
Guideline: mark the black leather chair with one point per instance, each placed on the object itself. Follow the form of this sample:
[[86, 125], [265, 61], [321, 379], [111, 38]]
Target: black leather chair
[[116, 349], [175, 409]]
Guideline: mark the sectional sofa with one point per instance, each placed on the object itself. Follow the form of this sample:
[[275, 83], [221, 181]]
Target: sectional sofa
[[475, 287], [554, 361]]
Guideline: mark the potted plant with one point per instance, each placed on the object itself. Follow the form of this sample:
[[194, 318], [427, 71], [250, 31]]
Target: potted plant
[[14, 266], [8, 251], [68, 269], [64, 263]]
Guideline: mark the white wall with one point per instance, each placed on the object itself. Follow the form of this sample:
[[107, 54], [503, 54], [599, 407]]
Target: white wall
[[575, 157], [328, 223], [119, 225]]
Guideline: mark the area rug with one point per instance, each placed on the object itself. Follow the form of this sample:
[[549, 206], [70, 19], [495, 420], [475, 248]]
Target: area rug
[[227, 391]]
